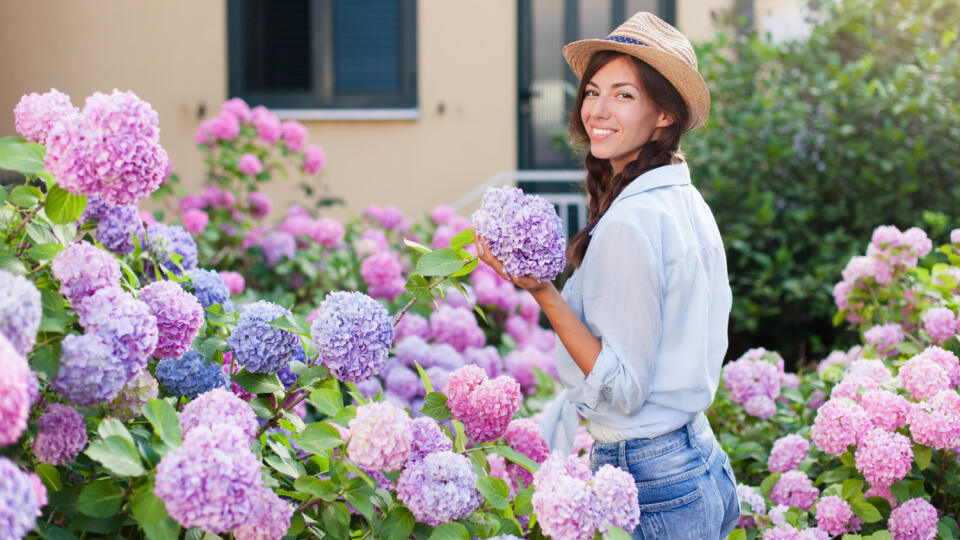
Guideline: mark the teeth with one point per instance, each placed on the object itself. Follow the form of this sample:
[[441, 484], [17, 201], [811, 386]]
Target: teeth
[[598, 131]]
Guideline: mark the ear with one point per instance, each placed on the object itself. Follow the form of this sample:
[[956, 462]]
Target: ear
[[665, 119]]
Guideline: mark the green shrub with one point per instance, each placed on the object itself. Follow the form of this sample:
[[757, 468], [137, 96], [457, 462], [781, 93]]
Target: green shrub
[[813, 143]]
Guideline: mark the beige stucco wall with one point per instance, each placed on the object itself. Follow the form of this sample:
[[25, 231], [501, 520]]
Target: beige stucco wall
[[173, 54], [695, 17]]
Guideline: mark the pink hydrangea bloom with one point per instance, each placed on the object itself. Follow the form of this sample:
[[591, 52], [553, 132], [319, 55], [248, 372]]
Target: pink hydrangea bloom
[[852, 385], [35, 114], [234, 281], [915, 519], [442, 236], [946, 360], [754, 498], [940, 323], [380, 436], [936, 423], [760, 407], [565, 505], [885, 409], [834, 515], [260, 204], [217, 406], [523, 436], [883, 457], [195, 221], [370, 242], [745, 378], [485, 406], [83, 269], [267, 124], [412, 325], [870, 368], [313, 159], [922, 378], [250, 164], [917, 241], [838, 425], [883, 492], [294, 135], [223, 127], [787, 453], [885, 338], [615, 491], [179, 317], [841, 293], [238, 108], [442, 214], [14, 393], [390, 217], [886, 237], [457, 327], [955, 236], [520, 364], [816, 399], [328, 232], [794, 488], [270, 519], [383, 274], [840, 358], [486, 357]]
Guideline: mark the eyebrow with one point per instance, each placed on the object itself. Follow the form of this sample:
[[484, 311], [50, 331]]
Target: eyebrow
[[614, 85]]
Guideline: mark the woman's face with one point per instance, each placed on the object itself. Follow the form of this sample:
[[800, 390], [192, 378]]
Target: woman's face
[[618, 115]]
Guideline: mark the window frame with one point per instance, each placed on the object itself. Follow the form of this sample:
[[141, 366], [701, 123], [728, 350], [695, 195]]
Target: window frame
[[322, 102]]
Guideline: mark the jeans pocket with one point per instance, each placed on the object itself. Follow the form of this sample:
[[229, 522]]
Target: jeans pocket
[[678, 518]]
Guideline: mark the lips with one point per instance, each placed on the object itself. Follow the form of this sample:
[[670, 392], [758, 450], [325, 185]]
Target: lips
[[598, 133]]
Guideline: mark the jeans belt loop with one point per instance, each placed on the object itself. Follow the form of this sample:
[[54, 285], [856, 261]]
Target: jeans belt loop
[[623, 455]]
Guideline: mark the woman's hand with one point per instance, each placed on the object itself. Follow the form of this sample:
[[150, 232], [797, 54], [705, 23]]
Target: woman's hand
[[524, 282]]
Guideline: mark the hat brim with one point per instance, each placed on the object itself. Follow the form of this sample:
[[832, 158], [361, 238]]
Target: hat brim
[[684, 78]]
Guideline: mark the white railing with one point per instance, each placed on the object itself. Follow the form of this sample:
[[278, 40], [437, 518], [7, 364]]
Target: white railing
[[562, 201]]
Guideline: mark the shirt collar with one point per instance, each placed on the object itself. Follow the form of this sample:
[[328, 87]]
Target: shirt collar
[[677, 174]]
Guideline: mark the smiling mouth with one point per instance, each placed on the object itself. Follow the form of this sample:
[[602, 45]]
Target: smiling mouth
[[601, 133]]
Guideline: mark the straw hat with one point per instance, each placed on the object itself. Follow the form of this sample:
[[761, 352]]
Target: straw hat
[[651, 39]]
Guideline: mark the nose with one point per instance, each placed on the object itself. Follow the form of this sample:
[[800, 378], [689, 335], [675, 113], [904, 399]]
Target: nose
[[601, 107]]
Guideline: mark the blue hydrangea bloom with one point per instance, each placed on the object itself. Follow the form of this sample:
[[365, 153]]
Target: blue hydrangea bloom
[[118, 226], [89, 372], [19, 507], [190, 375], [259, 347], [353, 333], [209, 288], [165, 240], [20, 311]]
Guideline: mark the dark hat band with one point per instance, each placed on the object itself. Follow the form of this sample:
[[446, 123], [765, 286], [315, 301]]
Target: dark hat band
[[624, 39]]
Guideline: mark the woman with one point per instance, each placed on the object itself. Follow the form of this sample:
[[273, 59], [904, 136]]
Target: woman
[[643, 319]]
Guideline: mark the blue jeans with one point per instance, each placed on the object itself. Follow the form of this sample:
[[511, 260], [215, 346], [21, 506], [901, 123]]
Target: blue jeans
[[684, 480]]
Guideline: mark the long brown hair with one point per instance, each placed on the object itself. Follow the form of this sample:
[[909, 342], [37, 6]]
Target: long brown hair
[[602, 185]]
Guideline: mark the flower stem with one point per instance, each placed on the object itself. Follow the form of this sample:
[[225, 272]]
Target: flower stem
[[402, 312], [25, 220]]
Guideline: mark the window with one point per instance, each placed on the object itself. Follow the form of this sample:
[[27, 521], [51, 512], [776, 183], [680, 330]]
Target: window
[[323, 54]]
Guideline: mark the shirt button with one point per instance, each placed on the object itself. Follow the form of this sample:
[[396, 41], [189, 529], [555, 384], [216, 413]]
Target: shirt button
[[607, 388]]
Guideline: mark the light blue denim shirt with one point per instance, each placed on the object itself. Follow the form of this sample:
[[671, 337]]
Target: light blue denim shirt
[[653, 288]]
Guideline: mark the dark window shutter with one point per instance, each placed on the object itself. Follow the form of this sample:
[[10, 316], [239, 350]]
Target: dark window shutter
[[367, 45], [278, 46]]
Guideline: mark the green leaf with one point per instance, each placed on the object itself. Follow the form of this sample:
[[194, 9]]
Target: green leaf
[[516, 457], [359, 496], [292, 323], [327, 400], [616, 533], [149, 512], [100, 499], [316, 487], [462, 238], [435, 406], [62, 206], [495, 491], [398, 525], [882, 534], [469, 267], [336, 518], [318, 438], [112, 427], [56, 533], [424, 378], [164, 420], [12, 264], [208, 347], [50, 476], [737, 534], [25, 196], [441, 262], [44, 252], [40, 234], [851, 488], [450, 531], [416, 246], [258, 383], [117, 454], [767, 485], [866, 511], [309, 375], [19, 155], [922, 455], [947, 527], [418, 286]]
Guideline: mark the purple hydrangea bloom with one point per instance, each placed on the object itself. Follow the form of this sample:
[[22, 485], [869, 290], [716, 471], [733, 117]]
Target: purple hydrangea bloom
[[402, 381], [259, 347], [209, 288], [754, 498], [383, 274], [885, 338], [615, 491], [353, 334], [446, 356], [20, 311], [412, 324], [486, 357], [14, 392], [165, 240], [413, 350], [95, 208], [123, 164], [19, 506], [564, 501], [915, 519], [438, 376], [190, 375], [124, 323], [381, 436], [787, 453], [118, 226], [140, 389], [523, 231], [217, 406], [270, 520], [457, 327], [83, 269], [179, 317], [62, 435], [36, 114], [428, 438], [89, 371], [278, 245], [520, 364], [439, 488], [795, 489], [211, 481], [260, 204], [369, 387]]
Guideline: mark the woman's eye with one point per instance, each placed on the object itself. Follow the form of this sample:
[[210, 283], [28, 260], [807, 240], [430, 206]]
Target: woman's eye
[[625, 95], [590, 93]]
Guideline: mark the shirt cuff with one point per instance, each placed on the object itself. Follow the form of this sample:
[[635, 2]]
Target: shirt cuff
[[598, 384]]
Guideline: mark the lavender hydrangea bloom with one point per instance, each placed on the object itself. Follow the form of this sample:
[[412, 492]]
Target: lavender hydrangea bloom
[[190, 375], [89, 371], [179, 317], [123, 164], [353, 333], [568, 510], [413, 350], [20, 311], [83, 269], [14, 393], [124, 323], [428, 438], [19, 506], [140, 389], [615, 491], [402, 381], [523, 231], [446, 356], [216, 406], [209, 288], [457, 327], [412, 324], [369, 387], [165, 240], [278, 245], [118, 226], [914, 519], [440, 488], [36, 114], [95, 208], [62, 435], [270, 520], [486, 357], [194, 480], [259, 347]]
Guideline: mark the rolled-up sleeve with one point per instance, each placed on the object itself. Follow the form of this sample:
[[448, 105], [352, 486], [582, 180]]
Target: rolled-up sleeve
[[622, 306]]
